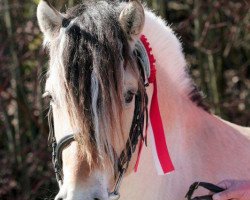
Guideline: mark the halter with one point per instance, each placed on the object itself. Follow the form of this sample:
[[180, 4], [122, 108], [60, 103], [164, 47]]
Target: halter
[[136, 130]]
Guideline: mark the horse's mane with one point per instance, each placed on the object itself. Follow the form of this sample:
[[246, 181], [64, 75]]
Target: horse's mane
[[167, 50]]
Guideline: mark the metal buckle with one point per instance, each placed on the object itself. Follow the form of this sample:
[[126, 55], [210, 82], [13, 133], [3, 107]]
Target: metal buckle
[[115, 195]]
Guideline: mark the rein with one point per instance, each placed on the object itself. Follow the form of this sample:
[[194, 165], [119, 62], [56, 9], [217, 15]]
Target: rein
[[209, 186]]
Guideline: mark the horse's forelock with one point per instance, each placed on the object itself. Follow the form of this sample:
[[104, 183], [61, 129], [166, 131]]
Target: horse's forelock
[[95, 53]]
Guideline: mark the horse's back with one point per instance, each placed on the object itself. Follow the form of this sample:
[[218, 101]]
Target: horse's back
[[245, 131]]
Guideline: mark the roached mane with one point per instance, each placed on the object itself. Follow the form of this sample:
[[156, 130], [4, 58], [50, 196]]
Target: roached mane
[[93, 53]]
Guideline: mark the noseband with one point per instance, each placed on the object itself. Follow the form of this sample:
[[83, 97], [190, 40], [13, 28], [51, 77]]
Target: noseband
[[136, 130], [57, 149]]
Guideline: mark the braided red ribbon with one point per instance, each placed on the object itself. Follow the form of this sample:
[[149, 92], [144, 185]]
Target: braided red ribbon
[[162, 159]]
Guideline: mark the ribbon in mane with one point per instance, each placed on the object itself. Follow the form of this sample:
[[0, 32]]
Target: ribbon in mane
[[162, 159]]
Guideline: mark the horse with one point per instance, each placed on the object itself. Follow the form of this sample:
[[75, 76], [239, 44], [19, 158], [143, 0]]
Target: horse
[[96, 87]]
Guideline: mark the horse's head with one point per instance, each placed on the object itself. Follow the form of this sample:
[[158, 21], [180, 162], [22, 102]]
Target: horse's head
[[94, 81]]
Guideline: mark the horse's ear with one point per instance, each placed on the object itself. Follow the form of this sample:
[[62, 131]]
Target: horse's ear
[[49, 19], [132, 18]]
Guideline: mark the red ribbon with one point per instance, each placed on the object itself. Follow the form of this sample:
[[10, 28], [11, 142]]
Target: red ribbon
[[155, 118]]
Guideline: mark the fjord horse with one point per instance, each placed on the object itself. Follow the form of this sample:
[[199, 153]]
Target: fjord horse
[[93, 81]]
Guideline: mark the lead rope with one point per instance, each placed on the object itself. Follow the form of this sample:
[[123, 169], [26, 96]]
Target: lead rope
[[209, 186]]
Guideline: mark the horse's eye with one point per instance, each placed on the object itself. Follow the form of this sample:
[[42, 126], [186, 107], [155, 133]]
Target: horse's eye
[[129, 96]]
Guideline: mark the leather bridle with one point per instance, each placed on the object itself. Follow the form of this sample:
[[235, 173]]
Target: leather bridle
[[136, 130], [57, 149]]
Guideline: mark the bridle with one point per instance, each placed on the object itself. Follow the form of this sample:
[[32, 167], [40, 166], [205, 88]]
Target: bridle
[[136, 130]]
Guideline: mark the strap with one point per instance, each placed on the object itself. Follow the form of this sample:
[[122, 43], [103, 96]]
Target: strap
[[209, 186], [57, 154], [136, 131], [65, 141]]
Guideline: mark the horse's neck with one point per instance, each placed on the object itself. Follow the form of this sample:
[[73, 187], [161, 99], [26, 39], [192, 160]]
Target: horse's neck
[[198, 138], [202, 148]]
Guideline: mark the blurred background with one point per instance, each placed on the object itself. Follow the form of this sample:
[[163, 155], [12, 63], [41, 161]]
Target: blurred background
[[216, 40]]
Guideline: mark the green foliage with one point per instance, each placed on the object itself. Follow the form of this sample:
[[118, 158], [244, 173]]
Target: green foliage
[[216, 40]]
